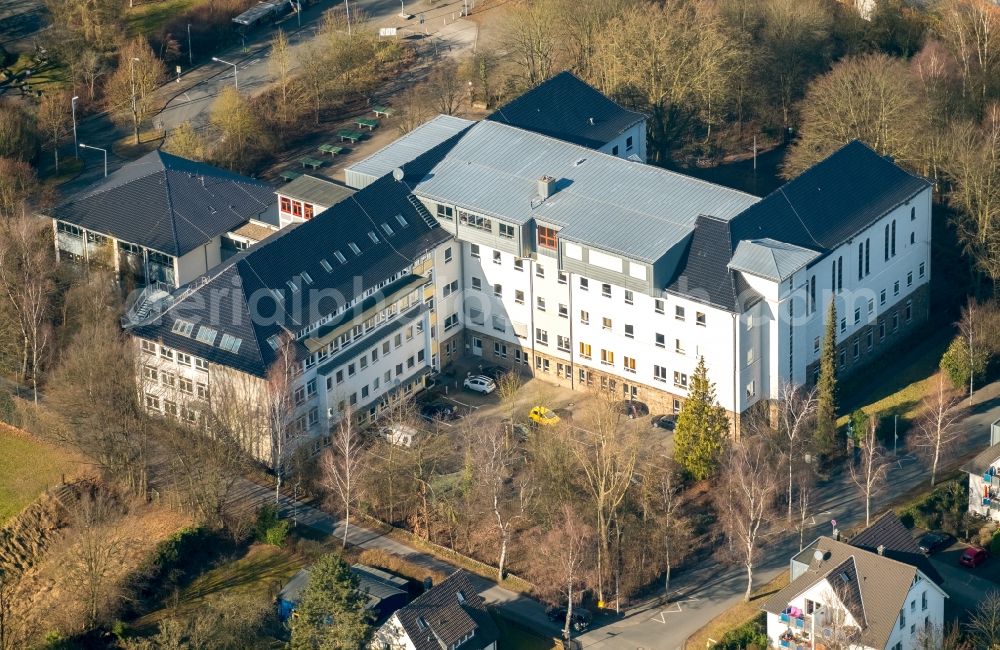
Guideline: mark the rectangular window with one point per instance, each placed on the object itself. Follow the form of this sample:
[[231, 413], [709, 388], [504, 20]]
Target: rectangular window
[[606, 290], [498, 290], [895, 288], [909, 311], [541, 336], [678, 313], [660, 373], [629, 297], [680, 379], [584, 284], [843, 324], [539, 271], [562, 342], [506, 231], [856, 348], [562, 278], [546, 237], [445, 212], [628, 143], [475, 221], [893, 238], [699, 318], [607, 357], [474, 250], [606, 323], [447, 255], [678, 346], [661, 341], [585, 317], [518, 296], [881, 331], [871, 306], [816, 345], [518, 264], [630, 331], [881, 297], [909, 279], [497, 258], [563, 311], [450, 322], [585, 350], [857, 315], [921, 270], [499, 323], [477, 284], [658, 306], [870, 339], [540, 303], [628, 364]]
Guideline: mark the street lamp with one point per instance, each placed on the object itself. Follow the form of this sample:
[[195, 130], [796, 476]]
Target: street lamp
[[105, 151], [190, 51], [76, 153], [135, 111], [236, 79]]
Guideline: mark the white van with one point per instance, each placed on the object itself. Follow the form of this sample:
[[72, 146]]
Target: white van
[[402, 435]]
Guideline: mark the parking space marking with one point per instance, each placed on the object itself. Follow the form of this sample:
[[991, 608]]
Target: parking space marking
[[674, 609]]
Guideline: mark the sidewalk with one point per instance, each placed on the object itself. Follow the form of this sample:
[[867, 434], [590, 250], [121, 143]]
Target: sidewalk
[[515, 606]]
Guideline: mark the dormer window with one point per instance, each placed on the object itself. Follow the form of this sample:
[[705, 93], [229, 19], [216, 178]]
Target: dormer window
[[307, 278], [182, 327], [354, 248], [292, 286], [401, 220], [387, 229], [326, 266], [547, 238], [372, 236], [340, 256]]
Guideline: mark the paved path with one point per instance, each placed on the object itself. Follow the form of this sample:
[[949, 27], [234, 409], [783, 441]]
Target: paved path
[[704, 592], [514, 605]]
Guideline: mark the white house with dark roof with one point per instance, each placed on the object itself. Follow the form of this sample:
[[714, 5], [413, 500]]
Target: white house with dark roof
[[306, 196], [449, 616], [984, 478], [852, 595], [160, 220]]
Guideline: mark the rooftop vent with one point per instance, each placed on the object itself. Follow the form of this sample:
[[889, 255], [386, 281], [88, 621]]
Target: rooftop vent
[[591, 120], [546, 186], [881, 549]]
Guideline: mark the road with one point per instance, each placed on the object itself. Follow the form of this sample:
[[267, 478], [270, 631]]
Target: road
[[710, 589], [190, 99]]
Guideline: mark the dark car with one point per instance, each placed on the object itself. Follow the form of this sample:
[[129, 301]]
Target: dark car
[[667, 422], [973, 557], [441, 411], [581, 617], [631, 408], [495, 372], [933, 542]]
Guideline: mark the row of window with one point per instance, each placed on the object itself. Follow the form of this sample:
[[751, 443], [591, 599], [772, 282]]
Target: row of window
[[297, 208], [383, 381], [180, 382], [171, 408], [362, 361], [174, 355]]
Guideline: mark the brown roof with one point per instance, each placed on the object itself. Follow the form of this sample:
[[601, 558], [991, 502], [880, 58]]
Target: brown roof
[[889, 532], [873, 587], [447, 613], [982, 461], [255, 231]]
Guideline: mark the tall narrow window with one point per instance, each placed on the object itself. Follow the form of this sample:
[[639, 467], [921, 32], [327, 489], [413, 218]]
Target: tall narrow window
[[886, 242], [893, 238], [840, 274], [861, 260], [812, 294], [868, 251]]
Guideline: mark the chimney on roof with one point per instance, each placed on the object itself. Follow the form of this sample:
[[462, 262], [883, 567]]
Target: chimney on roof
[[591, 120], [546, 187], [881, 549]]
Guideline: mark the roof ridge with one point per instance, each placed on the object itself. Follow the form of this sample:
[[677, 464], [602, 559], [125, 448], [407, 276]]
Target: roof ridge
[[172, 213]]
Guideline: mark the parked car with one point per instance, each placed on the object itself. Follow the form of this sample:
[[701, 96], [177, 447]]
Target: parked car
[[480, 384], [494, 372], [932, 542], [973, 557], [581, 617], [667, 422], [543, 416], [631, 408], [400, 434], [439, 411]]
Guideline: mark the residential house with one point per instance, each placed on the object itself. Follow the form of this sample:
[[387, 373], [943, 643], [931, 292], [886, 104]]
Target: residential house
[[449, 616], [984, 478], [306, 196], [383, 591], [566, 108], [849, 595], [159, 221]]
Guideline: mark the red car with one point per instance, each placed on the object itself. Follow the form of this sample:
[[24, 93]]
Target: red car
[[973, 557]]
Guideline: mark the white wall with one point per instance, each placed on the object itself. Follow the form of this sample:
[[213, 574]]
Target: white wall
[[198, 261], [638, 134]]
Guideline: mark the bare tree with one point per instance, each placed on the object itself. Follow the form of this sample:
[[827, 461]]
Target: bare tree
[[496, 463], [508, 385], [749, 493], [280, 407], [984, 624], [870, 472], [129, 91], [238, 128], [17, 185], [805, 480], [796, 414], [970, 28], [54, 119], [562, 569], [676, 528], [445, 88], [606, 458], [937, 426], [530, 38], [280, 64], [343, 464], [26, 264]]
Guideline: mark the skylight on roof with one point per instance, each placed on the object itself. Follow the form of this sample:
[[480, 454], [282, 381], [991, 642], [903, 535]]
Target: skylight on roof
[[230, 343], [340, 256], [206, 335], [292, 286], [401, 220], [372, 236], [307, 278], [387, 229], [274, 341], [354, 248], [326, 266], [182, 327]]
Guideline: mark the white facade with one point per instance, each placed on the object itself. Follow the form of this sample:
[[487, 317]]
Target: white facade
[[629, 144], [825, 616]]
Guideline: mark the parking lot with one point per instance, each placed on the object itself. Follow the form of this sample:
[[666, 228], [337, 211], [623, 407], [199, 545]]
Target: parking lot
[[965, 587], [566, 403]]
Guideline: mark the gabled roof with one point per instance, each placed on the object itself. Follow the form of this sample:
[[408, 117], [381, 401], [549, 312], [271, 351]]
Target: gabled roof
[[703, 274], [317, 191], [567, 108], [632, 209], [240, 296], [447, 613], [168, 204], [983, 460], [830, 202], [770, 259], [873, 587], [897, 543]]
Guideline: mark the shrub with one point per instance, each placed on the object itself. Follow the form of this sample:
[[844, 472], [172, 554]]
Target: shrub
[[955, 363], [943, 509], [276, 534], [270, 528], [177, 558], [750, 635]]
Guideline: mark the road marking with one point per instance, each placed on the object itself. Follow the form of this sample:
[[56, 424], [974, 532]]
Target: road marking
[[662, 618]]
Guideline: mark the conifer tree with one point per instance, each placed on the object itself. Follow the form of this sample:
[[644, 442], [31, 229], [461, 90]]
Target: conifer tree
[[331, 614], [702, 428], [826, 410]]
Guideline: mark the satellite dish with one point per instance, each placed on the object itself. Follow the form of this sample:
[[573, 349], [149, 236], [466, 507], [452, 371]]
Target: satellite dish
[[819, 555], [398, 173]]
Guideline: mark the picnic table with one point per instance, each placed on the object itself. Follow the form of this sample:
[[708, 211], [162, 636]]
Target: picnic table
[[382, 111], [289, 175], [311, 162], [364, 121], [347, 134], [331, 149]]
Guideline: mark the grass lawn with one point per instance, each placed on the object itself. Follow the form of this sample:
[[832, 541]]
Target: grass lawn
[[148, 17], [735, 616], [512, 635], [27, 468]]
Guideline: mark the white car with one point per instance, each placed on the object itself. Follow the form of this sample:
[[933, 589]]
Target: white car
[[480, 384]]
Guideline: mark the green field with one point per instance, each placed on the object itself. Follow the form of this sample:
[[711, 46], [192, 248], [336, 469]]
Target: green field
[[149, 17], [27, 468]]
